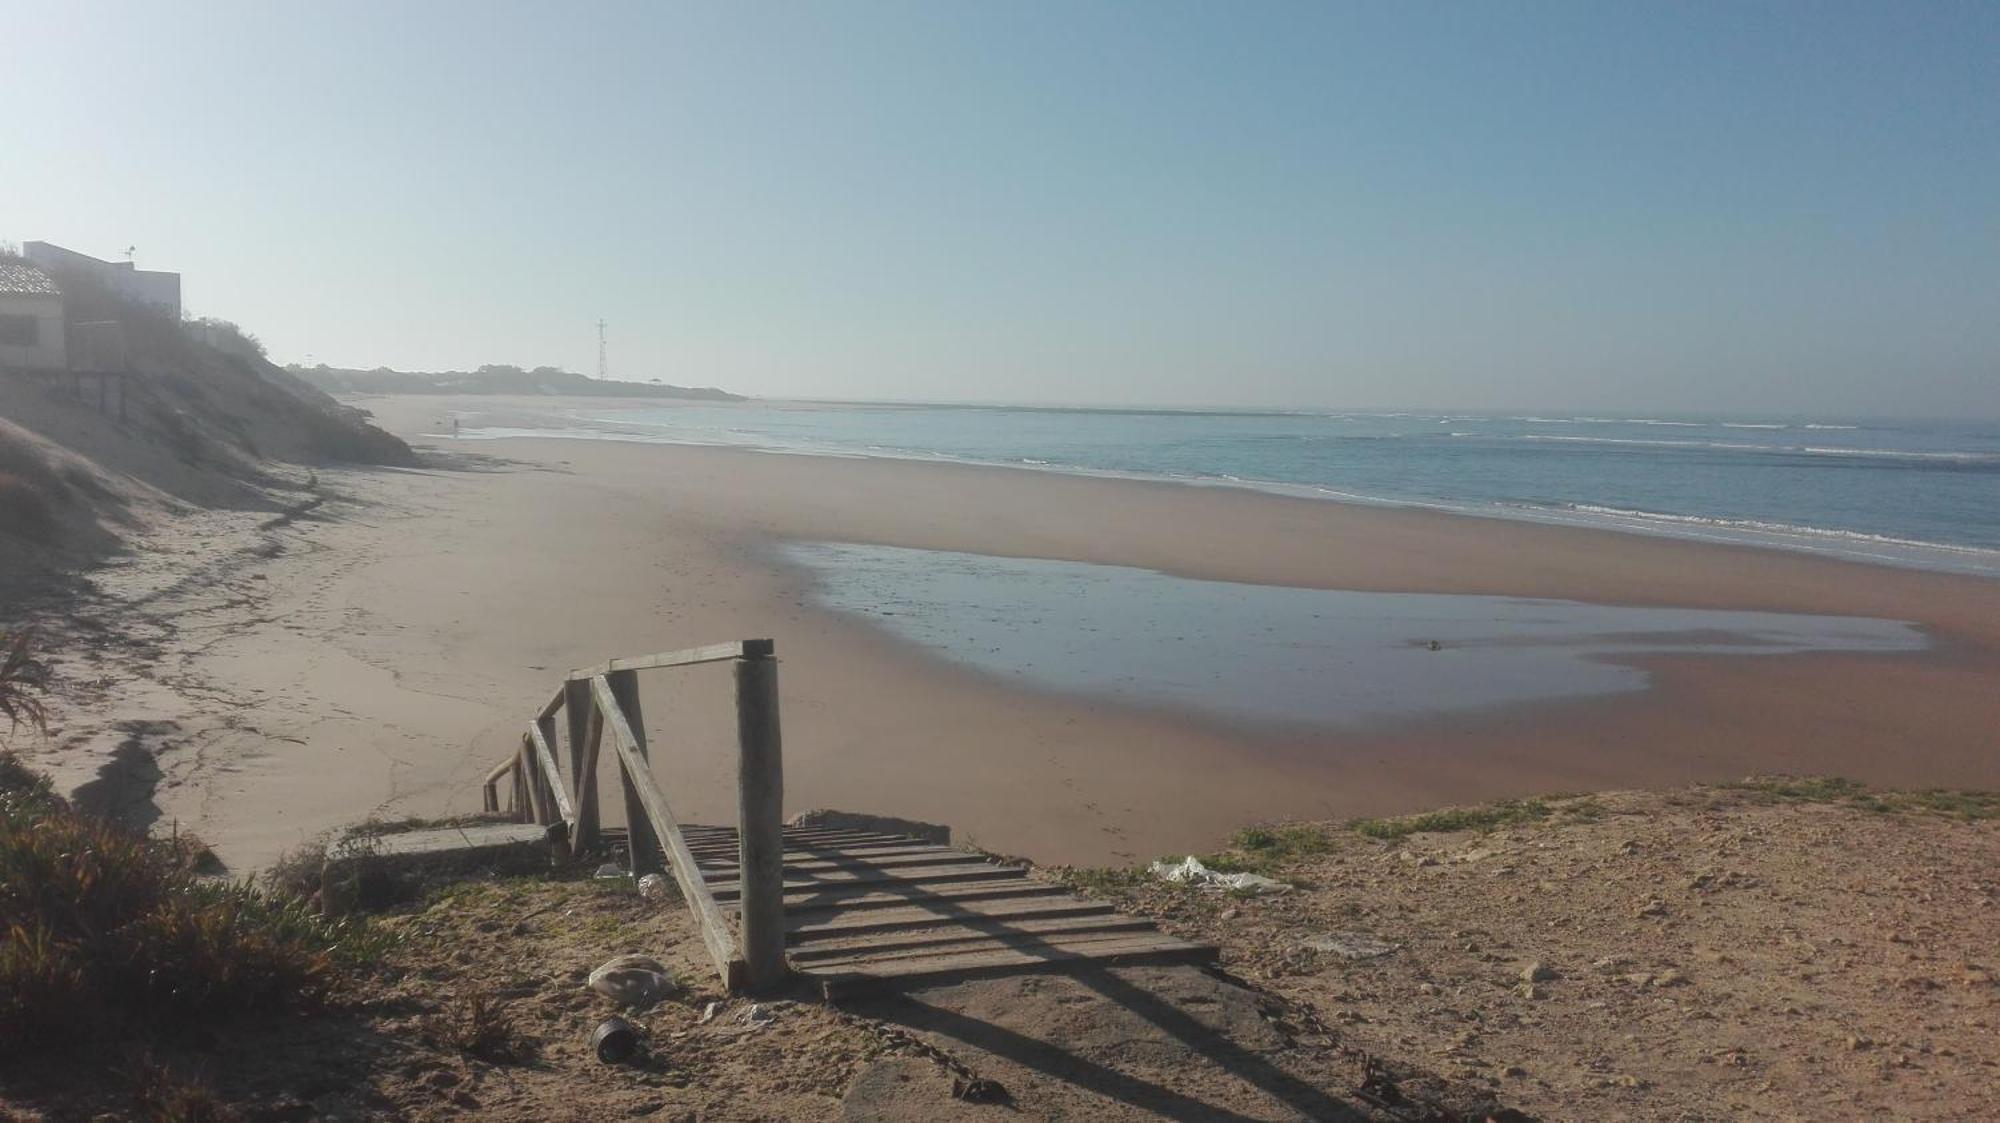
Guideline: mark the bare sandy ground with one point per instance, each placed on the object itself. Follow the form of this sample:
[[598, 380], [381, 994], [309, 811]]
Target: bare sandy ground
[[379, 656], [1694, 954]]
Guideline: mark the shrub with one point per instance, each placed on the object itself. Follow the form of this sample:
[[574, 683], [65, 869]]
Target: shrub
[[165, 1096], [1506, 813], [479, 1025], [101, 927], [23, 678]]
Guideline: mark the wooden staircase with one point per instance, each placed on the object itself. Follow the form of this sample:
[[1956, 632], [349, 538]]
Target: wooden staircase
[[850, 910], [872, 911]]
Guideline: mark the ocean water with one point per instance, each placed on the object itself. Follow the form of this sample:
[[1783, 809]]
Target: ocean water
[[1922, 494], [1281, 656]]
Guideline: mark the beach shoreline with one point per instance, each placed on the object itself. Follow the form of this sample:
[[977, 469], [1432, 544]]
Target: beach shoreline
[[392, 652]]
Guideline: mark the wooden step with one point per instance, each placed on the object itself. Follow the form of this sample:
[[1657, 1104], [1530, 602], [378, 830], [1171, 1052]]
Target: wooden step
[[727, 837], [1050, 945], [954, 937], [916, 880], [842, 982], [867, 897], [808, 928], [727, 851], [848, 857], [819, 867]]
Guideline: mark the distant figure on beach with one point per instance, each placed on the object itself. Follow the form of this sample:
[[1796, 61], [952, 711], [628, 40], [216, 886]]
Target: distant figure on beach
[[454, 426]]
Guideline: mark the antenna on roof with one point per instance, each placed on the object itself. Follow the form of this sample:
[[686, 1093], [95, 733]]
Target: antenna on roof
[[601, 368], [129, 251]]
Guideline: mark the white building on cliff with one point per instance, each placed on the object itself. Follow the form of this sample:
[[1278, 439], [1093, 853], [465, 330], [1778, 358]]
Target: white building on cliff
[[144, 286]]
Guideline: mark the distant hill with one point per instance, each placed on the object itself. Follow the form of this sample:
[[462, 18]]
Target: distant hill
[[496, 380]]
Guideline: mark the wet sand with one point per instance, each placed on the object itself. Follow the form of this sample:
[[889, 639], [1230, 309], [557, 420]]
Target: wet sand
[[397, 650]]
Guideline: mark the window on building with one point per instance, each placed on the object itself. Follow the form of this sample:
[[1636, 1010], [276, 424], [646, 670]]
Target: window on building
[[19, 331]]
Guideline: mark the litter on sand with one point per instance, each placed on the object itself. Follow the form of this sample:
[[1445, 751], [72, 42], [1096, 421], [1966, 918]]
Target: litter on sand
[[1190, 871]]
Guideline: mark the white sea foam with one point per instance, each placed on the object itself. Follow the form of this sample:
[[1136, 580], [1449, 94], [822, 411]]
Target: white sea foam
[[1778, 528]]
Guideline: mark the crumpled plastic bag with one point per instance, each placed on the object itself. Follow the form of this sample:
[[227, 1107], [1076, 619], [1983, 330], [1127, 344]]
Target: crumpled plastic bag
[[1191, 871]]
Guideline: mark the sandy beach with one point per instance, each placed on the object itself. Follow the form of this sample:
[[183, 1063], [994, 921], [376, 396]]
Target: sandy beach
[[379, 659]]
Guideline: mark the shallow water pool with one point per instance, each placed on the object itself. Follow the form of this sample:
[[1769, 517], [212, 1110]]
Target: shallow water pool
[[1282, 655]]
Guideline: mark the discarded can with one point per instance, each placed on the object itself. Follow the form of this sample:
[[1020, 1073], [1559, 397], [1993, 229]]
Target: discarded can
[[614, 1040]]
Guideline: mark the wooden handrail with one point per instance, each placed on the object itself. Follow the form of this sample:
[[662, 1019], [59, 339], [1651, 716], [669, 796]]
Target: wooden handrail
[[605, 697], [712, 653], [715, 933], [565, 810]]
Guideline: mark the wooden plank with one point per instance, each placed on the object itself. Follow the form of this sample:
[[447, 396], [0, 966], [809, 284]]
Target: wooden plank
[[812, 846], [532, 783], [806, 858], [954, 938], [588, 807], [805, 833], [863, 895], [797, 842], [437, 840], [817, 838], [642, 847], [901, 862], [549, 711], [583, 734], [547, 759], [808, 929], [709, 653], [760, 819], [858, 875], [911, 887], [708, 919], [1102, 944], [837, 983]]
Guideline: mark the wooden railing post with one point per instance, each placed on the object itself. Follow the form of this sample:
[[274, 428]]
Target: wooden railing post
[[585, 729], [525, 764], [546, 727], [760, 782], [641, 845]]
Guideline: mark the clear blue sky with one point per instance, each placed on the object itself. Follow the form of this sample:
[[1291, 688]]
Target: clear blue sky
[[1730, 206]]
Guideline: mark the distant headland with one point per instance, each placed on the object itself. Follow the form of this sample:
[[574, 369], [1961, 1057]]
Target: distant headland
[[491, 379]]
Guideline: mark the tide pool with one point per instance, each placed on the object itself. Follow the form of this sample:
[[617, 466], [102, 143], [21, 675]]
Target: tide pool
[[1287, 656]]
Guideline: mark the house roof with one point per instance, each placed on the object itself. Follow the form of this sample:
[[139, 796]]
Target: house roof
[[18, 278]]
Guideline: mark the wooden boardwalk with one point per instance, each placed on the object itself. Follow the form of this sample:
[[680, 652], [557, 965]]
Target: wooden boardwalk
[[868, 911]]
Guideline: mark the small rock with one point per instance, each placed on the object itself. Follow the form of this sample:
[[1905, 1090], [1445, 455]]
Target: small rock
[[1654, 907], [1513, 1070], [1529, 991], [708, 1013], [1611, 963], [633, 980], [1857, 1044], [1667, 978], [1230, 913], [1537, 973]]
